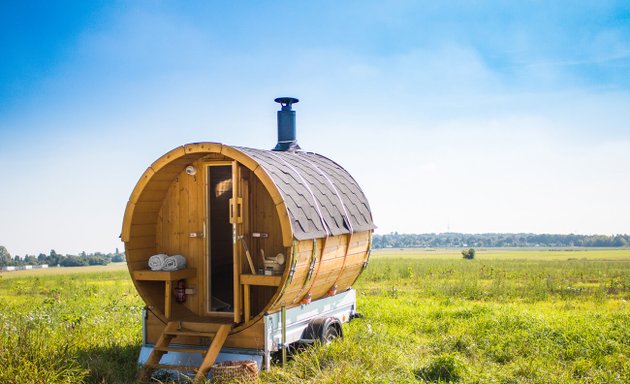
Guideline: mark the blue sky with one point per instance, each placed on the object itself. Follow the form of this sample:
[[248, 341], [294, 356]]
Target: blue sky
[[468, 116]]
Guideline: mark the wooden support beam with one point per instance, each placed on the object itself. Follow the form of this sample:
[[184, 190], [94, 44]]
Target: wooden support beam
[[236, 231], [213, 352], [246, 303], [167, 298]]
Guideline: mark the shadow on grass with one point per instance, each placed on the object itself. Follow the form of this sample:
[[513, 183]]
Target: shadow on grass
[[111, 365]]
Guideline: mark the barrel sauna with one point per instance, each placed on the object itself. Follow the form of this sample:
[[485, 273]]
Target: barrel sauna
[[227, 208]]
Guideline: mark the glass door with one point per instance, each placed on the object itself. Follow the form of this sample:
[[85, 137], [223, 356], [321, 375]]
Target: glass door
[[220, 295]]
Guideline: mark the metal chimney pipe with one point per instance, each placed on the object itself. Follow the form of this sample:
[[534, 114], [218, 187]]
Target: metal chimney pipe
[[287, 140]]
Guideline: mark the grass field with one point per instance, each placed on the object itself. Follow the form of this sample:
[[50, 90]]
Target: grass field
[[509, 316]]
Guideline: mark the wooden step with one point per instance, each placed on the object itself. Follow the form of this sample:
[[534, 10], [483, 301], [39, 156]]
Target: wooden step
[[183, 350], [213, 352], [217, 331], [209, 320], [190, 333], [196, 329], [177, 367]]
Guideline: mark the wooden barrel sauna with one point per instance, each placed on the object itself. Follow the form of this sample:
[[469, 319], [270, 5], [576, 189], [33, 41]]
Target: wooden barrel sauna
[[224, 207]]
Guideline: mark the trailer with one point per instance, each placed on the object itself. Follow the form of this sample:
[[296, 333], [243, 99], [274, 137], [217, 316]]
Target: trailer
[[273, 241]]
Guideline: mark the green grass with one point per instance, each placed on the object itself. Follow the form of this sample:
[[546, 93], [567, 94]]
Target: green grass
[[81, 326], [509, 316], [42, 273]]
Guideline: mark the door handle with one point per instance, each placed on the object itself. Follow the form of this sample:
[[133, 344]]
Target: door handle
[[236, 210]]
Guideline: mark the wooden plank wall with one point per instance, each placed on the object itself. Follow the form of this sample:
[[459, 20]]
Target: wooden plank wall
[[143, 208], [183, 212], [340, 262], [335, 270], [264, 219]]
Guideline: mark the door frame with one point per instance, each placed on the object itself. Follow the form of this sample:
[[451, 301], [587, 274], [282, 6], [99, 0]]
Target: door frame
[[239, 217], [207, 289]]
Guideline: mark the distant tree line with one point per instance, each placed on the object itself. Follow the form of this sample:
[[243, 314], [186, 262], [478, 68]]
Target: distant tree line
[[458, 240], [54, 259]]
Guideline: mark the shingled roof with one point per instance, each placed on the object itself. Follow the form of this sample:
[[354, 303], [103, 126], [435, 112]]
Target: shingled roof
[[321, 197]]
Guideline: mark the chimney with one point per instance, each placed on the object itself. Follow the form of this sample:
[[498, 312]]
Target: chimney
[[286, 125]]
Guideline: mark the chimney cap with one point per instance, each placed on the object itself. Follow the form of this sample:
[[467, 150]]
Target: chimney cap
[[286, 100]]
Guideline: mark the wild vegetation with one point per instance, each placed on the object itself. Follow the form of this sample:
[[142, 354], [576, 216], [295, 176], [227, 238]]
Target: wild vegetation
[[452, 239], [526, 316], [69, 325], [54, 258], [507, 316]]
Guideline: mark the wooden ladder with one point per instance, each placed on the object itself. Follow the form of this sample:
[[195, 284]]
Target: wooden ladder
[[177, 328]]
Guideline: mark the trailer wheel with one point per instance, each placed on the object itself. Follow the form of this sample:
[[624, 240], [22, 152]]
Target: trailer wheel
[[323, 329], [330, 333]]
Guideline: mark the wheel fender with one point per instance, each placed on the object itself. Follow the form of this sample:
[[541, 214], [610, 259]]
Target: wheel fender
[[316, 328]]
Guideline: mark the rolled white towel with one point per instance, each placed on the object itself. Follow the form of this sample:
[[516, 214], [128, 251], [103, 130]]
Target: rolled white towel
[[156, 262], [174, 263]]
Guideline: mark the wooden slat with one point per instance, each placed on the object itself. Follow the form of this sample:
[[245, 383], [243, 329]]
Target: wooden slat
[[143, 229], [236, 246], [321, 245], [348, 278], [145, 218], [152, 195], [141, 184], [164, 275], [168, 158], [191, 333], [136, 265], [239, 156], [212, 157], [202, 247], [141, 242], [144, 249], [157, 184], [322, 286], [166, 175], [336, 264], [285, 225], [140, 255], [262, 280], [246, 303], [125, 234], [203, 322], [147, 206], [204, 147]]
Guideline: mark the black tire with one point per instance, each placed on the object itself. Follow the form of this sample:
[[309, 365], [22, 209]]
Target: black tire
[[323, 330], [330, 333]]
